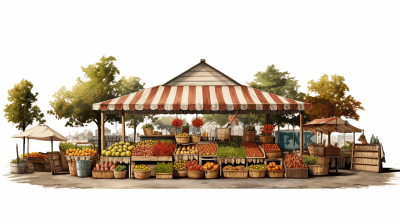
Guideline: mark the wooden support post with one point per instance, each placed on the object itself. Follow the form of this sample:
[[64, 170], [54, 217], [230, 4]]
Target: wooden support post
[[17, 155], [293, 139], [102, 132], [266, 118], [279, 134], [301, 133], [329, 138], [354, 138], [51, 158], [123, 125], [344, 139], [249, 119], [28, 148], [321, 137]]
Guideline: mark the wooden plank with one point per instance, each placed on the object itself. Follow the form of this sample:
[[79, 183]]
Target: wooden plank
[[370, 164], [123, 125], [102, 133], [370, 157], [301, 133]]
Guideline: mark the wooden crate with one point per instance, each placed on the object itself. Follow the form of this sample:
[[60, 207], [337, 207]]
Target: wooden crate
[[331, 151], [98, 174], [224, 131], [164, 175], [188, 157], [249, 136], [367, 157], [318, 170], [235, 173], [316, 150], [296, 173], [152, 158], [208, 156]]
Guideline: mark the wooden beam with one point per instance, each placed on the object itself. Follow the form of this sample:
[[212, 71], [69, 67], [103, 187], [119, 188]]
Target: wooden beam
[[301, 133], [51, 158], [102, 132], [279, 134], [329, 138], [123, 125]]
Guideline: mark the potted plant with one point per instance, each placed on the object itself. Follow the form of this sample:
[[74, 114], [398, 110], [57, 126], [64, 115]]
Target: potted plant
[[148, 129], [177, 123], [249, 134], [164, 170], [197, 123], [17, 166], [267, 138], [313, 167]]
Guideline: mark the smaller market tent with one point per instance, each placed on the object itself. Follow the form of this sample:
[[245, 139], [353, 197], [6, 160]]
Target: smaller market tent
[[44, 133], [329, 125]]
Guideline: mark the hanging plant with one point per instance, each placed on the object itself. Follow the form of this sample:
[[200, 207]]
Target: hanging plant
[[197, 122], [177, 123], [268, 129]]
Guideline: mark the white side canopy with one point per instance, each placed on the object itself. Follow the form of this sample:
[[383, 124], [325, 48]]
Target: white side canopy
[[41, 132]]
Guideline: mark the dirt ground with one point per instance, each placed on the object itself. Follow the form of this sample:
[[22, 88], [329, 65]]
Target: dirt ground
[[344, 179]]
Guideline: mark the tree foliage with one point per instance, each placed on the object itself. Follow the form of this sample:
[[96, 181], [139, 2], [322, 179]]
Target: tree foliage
[[21, 111], [165, 122], [281, 84], [136, 119], [331, 99]]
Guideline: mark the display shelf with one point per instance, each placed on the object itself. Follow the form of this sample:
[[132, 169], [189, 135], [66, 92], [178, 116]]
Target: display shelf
[[366, 157]]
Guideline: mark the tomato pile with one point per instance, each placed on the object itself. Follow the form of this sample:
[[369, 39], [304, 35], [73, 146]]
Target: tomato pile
[[293, 161], [142, 150], [193, 165], [252, 149], [163, 149], [270, 147], [208, 149]]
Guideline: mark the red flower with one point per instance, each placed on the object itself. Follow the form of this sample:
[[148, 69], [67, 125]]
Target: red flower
[[177, 123], [197, 123], [268, 129]]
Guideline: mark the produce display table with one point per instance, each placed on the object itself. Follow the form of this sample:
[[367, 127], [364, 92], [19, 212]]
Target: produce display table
[[156, 137], [230, 160], [148, 159], [115, 160]]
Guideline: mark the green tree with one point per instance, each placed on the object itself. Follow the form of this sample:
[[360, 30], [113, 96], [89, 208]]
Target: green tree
[[220, 119], [281, 84], [21, 111], [128, 85], [331, 99], [76, 105], [165, 122]]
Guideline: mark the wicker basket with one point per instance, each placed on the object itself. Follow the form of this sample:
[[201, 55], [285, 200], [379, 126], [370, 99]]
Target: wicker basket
[[275, 173], [257, 173], [182, 140], [300, 173], [249, 136], [331, 151], [266, 139], [72, 168], [235, 173], [195, 174], [164, 175], [180, 173], [148, 131], [273, 154], [316, 150], [318, 170], [119, 174], [323, 161], [195, 138], [211, 174], [98, 174], [141, 175]]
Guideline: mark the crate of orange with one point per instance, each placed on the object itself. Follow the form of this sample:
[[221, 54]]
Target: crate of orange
[[275, 170], [208, 150], [272, 151]]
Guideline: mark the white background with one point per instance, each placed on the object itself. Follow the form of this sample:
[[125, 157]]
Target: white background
[[47, 42]]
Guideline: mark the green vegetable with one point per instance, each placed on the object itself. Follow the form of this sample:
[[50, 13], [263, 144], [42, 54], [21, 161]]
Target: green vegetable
[[164, 167], [228, 151], [348, 146], [310, 160], [66, 145], [120, 168], [15, 161], [148, 125]]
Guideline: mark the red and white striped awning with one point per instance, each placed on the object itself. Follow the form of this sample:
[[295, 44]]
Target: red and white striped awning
[[201, 98]]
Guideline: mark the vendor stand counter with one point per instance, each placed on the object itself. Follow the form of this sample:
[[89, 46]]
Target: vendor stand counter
[[156, 137], [148, 159]]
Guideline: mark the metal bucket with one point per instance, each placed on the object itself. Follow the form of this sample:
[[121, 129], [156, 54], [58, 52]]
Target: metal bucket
[[83, 168], [17, 168]]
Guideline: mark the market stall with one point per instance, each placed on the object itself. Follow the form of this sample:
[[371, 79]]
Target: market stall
[[203, 89]]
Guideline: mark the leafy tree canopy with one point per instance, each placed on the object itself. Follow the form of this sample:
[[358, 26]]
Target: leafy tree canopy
[[21, 111], [331, 99]]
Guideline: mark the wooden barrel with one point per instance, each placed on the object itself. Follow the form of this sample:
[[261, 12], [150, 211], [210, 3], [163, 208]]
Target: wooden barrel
[[17, 168], [249, 136]]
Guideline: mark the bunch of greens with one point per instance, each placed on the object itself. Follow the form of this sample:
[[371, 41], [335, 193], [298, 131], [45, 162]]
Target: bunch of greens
[[344, 148], [120, 168], [235, 143], [148, 125], [64, 146], [16, 161], [227, 151], [164, 168], [310, 160], [169, 142], [250, 128]]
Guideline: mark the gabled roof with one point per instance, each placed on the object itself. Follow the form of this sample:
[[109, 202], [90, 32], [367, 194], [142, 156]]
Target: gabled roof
[[202, 74]]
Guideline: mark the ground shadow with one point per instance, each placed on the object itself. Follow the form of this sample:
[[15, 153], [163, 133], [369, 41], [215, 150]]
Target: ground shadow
[[389, 170]]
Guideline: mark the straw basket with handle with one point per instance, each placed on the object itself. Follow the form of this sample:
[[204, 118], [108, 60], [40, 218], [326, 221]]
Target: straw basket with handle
[[266, 139]]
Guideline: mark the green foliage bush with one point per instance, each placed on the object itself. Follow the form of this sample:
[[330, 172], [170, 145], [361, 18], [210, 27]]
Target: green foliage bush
[[164, 168], [310, 160]]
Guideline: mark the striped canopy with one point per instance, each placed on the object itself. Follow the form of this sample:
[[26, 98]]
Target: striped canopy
[[202, 99]]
